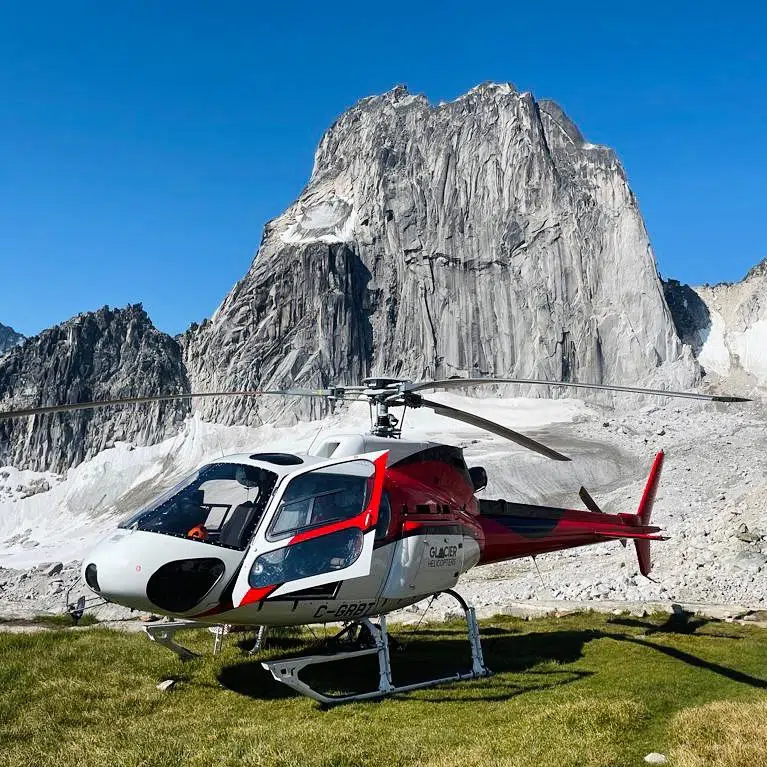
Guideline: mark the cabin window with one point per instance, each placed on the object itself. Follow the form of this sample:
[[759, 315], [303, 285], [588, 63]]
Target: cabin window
[[323, 554], [322, 496]]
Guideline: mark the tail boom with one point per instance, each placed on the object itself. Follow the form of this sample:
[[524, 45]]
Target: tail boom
[[514, 530]]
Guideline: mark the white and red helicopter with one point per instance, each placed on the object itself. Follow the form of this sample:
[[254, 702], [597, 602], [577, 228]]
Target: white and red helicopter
[[360, 526]]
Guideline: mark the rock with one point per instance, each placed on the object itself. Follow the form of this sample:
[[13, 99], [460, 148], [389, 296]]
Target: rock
[[9, 338], [655, 758], [40, 485], [750, 561], [53, 569], [746, 535], [754, 615], [167, 685]]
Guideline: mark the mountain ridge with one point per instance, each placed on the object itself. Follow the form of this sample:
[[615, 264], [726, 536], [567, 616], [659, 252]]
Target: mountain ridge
[[481, 236], [104, 354]]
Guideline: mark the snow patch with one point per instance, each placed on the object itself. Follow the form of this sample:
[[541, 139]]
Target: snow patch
[[330, 221], [714, 354], [751, 347]]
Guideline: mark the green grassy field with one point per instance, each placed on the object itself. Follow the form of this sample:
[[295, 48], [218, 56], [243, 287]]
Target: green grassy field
[[581, 690]]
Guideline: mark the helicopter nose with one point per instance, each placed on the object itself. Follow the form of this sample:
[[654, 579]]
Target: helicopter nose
[[111, 572], [159, 573]]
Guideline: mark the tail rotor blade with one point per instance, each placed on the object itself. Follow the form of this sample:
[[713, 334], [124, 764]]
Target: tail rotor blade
[[491, 426], [592, 505], [589, 502]]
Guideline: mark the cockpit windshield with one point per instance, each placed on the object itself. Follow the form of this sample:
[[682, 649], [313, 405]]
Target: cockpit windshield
[[221, 504]]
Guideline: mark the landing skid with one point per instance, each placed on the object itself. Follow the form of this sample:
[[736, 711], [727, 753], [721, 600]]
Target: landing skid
[[163, 633], [287, 670]]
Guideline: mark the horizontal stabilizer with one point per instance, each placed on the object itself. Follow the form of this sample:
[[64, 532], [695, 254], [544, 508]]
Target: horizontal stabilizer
[[633, 536]]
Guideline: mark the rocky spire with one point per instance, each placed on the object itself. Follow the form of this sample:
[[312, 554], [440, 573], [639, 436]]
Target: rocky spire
[[482, 236], [99, 355]]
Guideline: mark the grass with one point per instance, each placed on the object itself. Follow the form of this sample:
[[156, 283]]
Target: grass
[[585, 690], [52, 621], [64, 620]]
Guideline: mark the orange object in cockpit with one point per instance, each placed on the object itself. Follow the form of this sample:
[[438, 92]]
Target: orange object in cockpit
[[198, 533]]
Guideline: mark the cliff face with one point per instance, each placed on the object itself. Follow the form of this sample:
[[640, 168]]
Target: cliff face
[[726, 325], [483, 236], [9, 338], [100, 355]]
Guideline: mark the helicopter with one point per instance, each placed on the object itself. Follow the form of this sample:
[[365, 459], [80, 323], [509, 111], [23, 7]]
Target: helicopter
[[359, 526]]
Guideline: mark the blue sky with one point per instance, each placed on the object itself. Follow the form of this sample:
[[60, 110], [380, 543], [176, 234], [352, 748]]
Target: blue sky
[[143, 145]]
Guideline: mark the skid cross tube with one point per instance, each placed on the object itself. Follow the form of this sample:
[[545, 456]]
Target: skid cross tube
[[287, 670]]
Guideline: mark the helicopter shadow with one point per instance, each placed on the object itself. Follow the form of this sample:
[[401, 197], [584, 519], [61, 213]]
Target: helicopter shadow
[[416, 657], [427, 654], [693, 660], [676, 623]]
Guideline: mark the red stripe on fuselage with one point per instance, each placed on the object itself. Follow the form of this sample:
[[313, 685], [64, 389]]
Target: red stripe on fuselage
[[365, 520], [257, 595]]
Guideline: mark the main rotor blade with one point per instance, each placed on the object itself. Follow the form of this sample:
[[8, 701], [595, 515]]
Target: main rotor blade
[[491, 426], [66, 408], [458, 383]]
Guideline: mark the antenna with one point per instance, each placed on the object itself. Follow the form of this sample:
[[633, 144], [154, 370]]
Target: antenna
[[314, 439]]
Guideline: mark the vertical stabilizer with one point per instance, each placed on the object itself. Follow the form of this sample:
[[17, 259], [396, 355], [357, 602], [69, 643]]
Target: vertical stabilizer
[[645, 511]]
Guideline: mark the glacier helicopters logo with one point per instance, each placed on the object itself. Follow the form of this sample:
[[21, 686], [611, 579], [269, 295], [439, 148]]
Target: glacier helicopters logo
[[443, 556]]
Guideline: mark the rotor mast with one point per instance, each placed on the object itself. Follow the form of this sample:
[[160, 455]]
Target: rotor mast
[[379, 393]]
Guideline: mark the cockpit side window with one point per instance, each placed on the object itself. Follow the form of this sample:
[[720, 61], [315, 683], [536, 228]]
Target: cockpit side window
[[221, 504], [318, 497]]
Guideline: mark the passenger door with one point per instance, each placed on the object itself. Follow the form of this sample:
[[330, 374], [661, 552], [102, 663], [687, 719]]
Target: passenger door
[[318, 529]]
